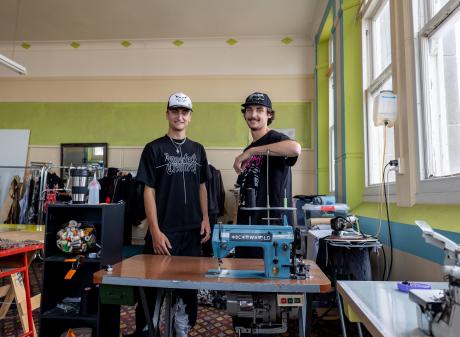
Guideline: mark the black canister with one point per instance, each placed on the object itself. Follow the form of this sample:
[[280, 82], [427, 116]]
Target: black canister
[[79, 179], [250, 197]]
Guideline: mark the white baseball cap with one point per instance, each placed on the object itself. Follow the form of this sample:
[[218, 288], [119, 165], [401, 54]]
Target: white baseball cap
[[179, 100]]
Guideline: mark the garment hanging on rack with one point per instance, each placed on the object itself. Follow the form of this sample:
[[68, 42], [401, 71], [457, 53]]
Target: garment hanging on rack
[[130, 191], [32, 205], [108, 184], [216, 200], [121, 189], [34, 187], [24, 202], [120, 185], [216, 192], [135, 211], [14, 194], [53, 181], [26, 189]]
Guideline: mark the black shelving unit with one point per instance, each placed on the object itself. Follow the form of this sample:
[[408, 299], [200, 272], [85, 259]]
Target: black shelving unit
[[107, 220]]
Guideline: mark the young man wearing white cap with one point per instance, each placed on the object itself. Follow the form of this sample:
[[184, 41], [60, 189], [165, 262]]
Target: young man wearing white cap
[[173, 170], [251, 167]]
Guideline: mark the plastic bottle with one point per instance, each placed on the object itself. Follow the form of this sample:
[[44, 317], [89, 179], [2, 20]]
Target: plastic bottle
[[94, 188]]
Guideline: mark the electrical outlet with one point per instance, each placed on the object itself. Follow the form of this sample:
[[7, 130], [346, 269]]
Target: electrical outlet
[[396, 165]]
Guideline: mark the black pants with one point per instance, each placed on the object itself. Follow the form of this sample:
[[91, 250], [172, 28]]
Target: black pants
[[183, 244]]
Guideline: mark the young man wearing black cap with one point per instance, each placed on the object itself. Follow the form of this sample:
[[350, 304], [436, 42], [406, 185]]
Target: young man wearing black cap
[[251, 167], [173, 169]]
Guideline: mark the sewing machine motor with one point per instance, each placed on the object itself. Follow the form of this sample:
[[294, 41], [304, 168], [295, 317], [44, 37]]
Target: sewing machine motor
[[263, 313]]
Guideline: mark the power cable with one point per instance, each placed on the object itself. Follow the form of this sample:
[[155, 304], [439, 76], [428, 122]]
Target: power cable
[[384, 263], [382, 181], [388, 223]]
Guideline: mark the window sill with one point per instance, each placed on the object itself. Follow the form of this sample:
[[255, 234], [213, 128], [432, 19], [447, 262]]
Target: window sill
[[372, 193], [439, 191]]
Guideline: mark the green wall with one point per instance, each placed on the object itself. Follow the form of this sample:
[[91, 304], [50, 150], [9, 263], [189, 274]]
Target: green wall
[[134, 124], [406, 236], [353, 103], [443, 217]]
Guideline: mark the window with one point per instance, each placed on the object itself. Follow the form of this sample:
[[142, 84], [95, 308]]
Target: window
[[439, 47], [436, 5], [377, 77]]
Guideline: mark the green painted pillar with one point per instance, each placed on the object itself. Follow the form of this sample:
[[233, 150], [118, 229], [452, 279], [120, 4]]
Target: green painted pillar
[[351, 138]]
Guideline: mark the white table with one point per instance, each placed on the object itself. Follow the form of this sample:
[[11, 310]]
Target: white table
[[384, 310]]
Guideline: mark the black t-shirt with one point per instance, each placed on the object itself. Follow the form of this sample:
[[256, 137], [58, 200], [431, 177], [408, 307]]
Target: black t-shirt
[[175, 172], [255, 176]]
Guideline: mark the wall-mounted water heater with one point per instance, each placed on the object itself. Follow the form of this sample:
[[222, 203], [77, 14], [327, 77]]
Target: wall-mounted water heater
[[385, 108]]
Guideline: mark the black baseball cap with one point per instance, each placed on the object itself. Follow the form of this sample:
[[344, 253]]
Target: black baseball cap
[[258, 98]]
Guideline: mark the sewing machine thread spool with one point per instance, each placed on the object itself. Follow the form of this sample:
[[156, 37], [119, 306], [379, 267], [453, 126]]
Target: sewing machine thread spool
[[250, 197]]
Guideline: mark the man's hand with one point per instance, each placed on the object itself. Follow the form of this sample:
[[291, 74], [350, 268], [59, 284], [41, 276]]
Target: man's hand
[[241, 161], [161, 244], [205, 230]]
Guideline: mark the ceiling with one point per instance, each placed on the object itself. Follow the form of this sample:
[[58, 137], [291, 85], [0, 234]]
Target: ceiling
[[64, 20]]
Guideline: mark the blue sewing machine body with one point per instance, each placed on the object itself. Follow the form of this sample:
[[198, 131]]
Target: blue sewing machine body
[[276, 242]]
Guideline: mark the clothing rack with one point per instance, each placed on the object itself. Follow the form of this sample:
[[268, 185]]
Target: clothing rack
[[43, 191], [128, 169], [44, 168], [36, 166], [17, 167], [123, 169]]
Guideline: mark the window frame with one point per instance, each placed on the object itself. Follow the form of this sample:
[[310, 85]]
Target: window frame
[[371, 85], [430, 190]]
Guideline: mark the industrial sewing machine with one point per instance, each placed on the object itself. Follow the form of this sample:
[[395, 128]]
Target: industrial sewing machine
[[260, 313], [277, 243], [439, 310]]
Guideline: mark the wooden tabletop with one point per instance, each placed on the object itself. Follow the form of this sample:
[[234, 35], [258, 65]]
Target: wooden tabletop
[[183, 272], [22, 232]]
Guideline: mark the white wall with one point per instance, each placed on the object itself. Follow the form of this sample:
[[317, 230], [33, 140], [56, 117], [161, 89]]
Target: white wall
[[210, 56], [209, 70]]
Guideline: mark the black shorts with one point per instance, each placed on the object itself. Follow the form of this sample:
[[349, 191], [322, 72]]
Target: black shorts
[[186, 243]]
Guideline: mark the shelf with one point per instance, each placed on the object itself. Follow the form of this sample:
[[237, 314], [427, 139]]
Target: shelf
[[61, 258], [108, 221], [68, 316]]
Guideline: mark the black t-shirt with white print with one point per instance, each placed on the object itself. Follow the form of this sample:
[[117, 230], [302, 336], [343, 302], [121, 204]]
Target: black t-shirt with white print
[[175, 171], [255, 176]]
